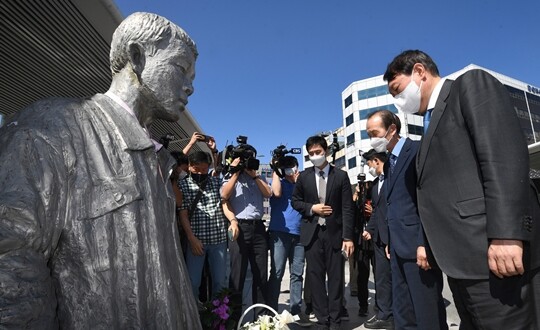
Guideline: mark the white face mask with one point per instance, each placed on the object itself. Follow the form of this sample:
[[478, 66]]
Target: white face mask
[[317, 160], [373, 172], [379, 143], [409, 99], [290, 171]]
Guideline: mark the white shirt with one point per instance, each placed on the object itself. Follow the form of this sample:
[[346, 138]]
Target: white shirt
[[435, 94]]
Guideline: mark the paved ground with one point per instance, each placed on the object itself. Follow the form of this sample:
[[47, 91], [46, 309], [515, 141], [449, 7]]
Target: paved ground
[[355, 321]]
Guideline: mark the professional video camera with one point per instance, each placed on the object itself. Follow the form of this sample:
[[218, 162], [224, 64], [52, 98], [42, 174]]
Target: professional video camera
[[278, 158], [244, 151]]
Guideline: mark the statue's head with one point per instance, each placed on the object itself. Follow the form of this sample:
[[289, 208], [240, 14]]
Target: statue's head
[[162, 57]]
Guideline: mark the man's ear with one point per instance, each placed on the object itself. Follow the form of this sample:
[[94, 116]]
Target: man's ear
[[137, 58]]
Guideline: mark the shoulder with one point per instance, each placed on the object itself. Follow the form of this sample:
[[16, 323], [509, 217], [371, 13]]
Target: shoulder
[[476, 77], [46, 114], [412, 143]]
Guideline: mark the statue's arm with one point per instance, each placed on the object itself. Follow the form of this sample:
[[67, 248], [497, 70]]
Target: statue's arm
[[30, 226]]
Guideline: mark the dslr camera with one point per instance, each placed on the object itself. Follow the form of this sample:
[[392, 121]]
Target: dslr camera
[[278, 158], [242, 150]]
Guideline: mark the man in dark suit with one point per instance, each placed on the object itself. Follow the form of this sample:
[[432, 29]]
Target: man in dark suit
[[323, 196], [377, 231], [416, 293], [472, 189]]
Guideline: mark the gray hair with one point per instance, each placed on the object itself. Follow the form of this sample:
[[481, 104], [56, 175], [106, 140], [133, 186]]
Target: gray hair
[[148, 30]]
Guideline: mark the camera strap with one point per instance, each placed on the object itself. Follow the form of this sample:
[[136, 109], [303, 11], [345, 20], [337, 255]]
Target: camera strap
[[198, 197]]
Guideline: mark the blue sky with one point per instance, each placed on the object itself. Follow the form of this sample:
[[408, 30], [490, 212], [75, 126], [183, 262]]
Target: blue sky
[[274, 70]]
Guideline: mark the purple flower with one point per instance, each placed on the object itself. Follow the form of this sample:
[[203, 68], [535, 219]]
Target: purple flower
[[226, 300], [216, 302], [221, 311], [222, 327]]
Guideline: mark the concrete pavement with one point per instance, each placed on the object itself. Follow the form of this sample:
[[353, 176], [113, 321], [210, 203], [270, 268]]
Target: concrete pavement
[[357, 322]]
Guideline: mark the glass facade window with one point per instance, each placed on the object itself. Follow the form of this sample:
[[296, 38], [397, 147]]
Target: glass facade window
[[349, 120], [364, 135], [348, 101], [340, 162], [352, 162], [364, 113], [414, 129], [517, 97], [372, 92], [350, 139], [534, 107]]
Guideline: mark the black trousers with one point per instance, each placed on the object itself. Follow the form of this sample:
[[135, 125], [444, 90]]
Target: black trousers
[[383, 282], [494, 303], [364, 260], [323, 261], [251, 245]]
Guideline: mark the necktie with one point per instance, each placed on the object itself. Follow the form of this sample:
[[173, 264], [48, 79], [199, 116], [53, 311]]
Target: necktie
[[322, 195], [393, 160], [427, 118], [381, 180]]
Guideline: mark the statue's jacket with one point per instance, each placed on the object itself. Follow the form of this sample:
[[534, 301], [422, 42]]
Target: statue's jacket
[[88, 238]]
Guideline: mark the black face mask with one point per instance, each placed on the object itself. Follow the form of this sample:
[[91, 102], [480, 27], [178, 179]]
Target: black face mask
[[199, 177]]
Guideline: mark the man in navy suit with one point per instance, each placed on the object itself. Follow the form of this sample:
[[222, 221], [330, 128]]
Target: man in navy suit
[[417, 293], [377, 231], [472, 189], [323, 196]]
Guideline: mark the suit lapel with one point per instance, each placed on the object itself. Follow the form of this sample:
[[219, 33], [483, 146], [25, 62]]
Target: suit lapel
[[312, 183], [402, 159], [438, 111], [329, 182], [375, 195]]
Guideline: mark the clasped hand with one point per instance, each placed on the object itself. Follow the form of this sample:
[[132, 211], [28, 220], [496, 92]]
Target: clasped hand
[[322, 210]]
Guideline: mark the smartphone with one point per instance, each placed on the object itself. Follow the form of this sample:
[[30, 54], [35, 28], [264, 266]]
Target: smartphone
[[206, 138], [344, 254], [230, 234]]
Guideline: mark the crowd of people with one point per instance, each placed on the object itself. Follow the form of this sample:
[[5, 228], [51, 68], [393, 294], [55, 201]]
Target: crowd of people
[[436, 206]]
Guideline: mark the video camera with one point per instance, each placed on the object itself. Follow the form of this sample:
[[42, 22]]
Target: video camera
[[244, 151], [278, 158]]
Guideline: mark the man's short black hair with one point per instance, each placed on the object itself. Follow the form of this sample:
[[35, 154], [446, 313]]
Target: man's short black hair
[[404, 63], [316, 140], [372, 154], [388, 118], [181, 159], [199, 157], [288, 162]]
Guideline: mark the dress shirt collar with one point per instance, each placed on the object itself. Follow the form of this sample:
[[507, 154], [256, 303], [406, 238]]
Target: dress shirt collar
[[326, 170], [398, 147], [435, 94]]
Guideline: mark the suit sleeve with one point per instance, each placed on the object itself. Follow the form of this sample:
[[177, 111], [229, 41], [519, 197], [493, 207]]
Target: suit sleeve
[[299, 197], [347, 207], [501, 152]]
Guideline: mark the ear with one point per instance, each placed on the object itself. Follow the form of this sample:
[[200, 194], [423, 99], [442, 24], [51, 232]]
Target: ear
[[137, 58], [420, 69]]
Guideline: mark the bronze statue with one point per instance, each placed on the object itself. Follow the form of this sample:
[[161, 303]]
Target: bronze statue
[[88, 238]]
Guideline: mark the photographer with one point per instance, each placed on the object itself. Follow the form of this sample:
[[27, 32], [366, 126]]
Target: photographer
[[204, 223], [284, 230], [243, 192]]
